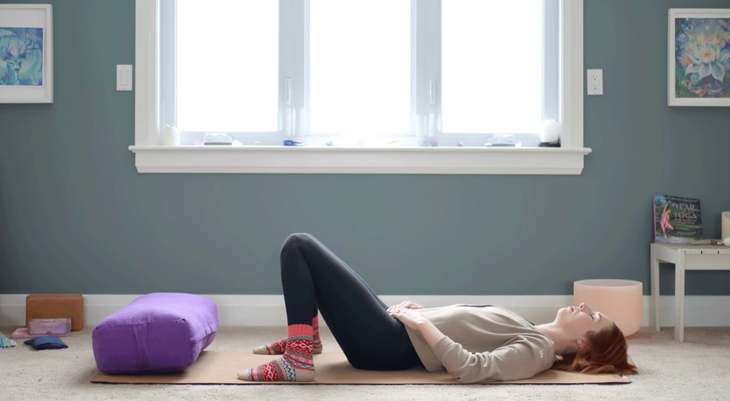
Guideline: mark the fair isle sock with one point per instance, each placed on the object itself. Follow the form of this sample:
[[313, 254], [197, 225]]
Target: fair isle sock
[[276, 348], [296, 364], [317, 343], [279, 346]]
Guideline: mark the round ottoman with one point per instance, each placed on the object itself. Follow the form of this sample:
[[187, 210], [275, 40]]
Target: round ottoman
[[620, 300]]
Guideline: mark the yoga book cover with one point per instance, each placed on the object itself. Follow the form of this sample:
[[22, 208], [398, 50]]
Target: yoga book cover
[[677, 220]]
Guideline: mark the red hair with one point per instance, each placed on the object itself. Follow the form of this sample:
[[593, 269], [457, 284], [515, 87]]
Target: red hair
[[607, 352]]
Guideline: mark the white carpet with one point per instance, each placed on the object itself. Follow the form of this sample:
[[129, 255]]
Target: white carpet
[[668, 370]]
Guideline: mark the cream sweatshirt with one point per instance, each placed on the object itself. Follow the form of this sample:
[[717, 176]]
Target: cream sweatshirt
[[483, 343]]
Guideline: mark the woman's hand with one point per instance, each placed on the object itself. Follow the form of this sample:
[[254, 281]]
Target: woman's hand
[[410, 318], [405, 305]]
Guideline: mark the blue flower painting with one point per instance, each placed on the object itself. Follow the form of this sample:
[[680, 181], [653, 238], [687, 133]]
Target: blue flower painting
[[702, 48], [21, 56]]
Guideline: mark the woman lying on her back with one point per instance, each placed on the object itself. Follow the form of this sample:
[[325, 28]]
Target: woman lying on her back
[[472, 343]]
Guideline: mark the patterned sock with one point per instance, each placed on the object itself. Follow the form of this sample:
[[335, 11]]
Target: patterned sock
[[317, 343], [278, 347], [296, 365]]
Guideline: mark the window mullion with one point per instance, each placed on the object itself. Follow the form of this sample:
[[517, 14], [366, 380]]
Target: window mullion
[[428, 68], [551, 83], [168, 64], [415, 24], [292, 106]]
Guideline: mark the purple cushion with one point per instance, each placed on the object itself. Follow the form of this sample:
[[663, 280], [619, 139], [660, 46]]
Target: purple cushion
[[155, 333]]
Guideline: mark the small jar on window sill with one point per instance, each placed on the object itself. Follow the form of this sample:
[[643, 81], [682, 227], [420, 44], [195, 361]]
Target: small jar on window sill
[[170, 137], [550, 134]]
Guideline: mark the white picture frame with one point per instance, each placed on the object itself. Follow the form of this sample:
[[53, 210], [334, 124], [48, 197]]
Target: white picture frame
[[699, 57], [26, 53]]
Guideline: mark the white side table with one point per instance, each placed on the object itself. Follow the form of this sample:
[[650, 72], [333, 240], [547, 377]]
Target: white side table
[[684, 257]]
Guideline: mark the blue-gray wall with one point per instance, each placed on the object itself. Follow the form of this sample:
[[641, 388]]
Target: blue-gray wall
[[75, 216]]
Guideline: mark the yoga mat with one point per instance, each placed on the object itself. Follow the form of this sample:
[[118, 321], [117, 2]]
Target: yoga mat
[[222, 367]]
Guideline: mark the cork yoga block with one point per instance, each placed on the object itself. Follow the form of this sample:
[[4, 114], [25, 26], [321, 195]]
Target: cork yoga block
[[50, 306]]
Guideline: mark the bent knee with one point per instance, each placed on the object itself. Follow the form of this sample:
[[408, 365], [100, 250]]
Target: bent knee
[[296, 239]]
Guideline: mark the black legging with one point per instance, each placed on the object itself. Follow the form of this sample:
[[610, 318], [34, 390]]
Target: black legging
[[313, 276]]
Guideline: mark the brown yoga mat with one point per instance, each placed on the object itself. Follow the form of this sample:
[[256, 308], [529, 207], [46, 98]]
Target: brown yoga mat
[[222, 367]]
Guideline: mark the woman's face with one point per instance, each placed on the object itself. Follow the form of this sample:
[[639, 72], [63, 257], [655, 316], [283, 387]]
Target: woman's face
[[579, 320]]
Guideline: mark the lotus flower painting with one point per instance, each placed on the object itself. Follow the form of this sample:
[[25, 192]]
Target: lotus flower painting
[[702, 51], [21, 56]]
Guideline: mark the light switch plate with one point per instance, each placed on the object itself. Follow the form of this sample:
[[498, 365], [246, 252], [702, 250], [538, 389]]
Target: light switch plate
[[124, 77]]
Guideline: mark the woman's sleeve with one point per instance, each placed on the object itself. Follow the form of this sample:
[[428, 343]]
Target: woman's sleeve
[[514, 361]]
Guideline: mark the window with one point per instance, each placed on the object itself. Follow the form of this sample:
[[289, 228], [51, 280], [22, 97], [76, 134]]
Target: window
[[217, 86], [349, 72], [492, 68], [359, 78]]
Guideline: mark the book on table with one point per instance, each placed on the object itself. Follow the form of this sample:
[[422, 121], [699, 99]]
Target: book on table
[[677, 220]]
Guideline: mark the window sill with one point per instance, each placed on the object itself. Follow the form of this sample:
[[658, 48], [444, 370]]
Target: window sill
[[358, 160]]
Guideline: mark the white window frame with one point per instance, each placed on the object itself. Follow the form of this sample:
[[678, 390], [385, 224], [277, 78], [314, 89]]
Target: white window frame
[[151, 158]]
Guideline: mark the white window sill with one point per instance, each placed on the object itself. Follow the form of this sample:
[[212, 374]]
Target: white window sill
[[358, 160]]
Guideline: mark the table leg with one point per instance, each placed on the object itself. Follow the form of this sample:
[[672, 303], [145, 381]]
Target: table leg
[[654, 314], [679, 297]]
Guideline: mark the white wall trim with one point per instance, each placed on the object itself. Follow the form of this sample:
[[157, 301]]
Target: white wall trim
[[567, 160], [146, 82], [268, 310], [571, 73], [338, 160]]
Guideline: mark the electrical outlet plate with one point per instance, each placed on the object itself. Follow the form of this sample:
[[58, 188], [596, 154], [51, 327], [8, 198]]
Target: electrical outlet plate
[[594, 82]]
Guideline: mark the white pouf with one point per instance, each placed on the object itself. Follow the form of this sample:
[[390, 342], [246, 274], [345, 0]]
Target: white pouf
[[620, 300]]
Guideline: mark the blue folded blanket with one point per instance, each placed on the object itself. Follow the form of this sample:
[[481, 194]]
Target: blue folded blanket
[[46, 342]]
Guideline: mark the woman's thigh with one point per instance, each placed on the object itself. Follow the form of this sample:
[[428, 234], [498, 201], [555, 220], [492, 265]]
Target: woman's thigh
[[357, 318]]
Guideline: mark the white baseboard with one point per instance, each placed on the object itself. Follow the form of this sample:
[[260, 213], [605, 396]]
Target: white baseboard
[[268, 310]]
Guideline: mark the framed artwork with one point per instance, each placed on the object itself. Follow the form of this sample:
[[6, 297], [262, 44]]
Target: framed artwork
[[26, 53], [699, 57]]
